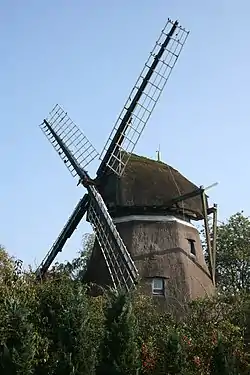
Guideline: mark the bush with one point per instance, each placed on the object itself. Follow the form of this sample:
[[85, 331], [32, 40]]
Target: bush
[[55, 328]]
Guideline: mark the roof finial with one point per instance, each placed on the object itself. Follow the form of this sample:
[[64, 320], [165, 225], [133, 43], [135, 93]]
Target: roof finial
[[158, 153]]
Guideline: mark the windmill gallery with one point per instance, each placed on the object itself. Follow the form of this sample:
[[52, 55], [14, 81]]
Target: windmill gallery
[[141, 210]]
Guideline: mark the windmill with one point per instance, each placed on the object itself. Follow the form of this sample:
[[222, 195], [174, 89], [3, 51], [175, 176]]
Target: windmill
[[77, 152]]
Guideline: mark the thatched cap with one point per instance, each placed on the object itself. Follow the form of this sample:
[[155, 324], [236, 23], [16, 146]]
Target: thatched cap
[[148, 183]]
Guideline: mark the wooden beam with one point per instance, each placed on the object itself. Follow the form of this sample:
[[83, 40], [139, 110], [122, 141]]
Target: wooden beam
[[206, 224], [215, 214], [184, 197]]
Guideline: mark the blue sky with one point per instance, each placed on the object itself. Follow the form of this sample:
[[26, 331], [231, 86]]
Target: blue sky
[[86, 56]]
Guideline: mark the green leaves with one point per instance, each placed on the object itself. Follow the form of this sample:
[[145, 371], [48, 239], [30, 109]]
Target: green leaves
[[233, 254], [119, 349], [55, 327], [77, 267]]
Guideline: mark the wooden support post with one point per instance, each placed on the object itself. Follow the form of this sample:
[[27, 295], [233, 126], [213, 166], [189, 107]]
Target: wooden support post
[[206, 224], [214, 239]]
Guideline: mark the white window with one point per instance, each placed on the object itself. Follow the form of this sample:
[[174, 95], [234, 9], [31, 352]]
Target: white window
[[158, 286]]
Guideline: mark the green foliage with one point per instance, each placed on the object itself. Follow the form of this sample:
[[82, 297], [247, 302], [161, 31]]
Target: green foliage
[[77, 267], [55, 327], [72, 324], [233, 254], [119, 349], [48, 328]]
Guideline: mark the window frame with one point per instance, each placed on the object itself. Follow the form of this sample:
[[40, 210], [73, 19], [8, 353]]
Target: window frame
[[158, 291], [192, 247]]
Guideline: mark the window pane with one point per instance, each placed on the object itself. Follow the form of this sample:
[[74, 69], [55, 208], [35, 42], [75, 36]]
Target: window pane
[[157, 284]]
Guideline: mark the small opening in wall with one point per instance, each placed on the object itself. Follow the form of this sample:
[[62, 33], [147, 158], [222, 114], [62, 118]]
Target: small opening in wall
[[158, 286], [192, 246]]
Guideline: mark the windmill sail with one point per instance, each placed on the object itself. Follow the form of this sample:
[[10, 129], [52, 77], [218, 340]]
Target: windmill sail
[[65, 234], [112, 246], [121, 267], [142, 99], [59, 125]]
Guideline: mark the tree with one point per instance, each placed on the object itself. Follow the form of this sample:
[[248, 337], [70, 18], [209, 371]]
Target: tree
[[77, 267], [9, 267], [233, 254], [55, 327], [119, 349]]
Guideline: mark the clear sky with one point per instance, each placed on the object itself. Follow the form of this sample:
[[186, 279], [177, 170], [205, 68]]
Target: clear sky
[[86, 55]]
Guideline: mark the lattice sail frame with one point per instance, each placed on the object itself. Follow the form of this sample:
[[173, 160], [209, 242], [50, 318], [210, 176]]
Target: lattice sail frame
[[121, 267], [77, 143], [148, 99]]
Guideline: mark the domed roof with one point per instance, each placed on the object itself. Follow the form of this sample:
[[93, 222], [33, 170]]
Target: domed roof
[[150, 183]]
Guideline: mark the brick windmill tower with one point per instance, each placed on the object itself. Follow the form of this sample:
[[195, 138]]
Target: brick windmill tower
[[140, 210]]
